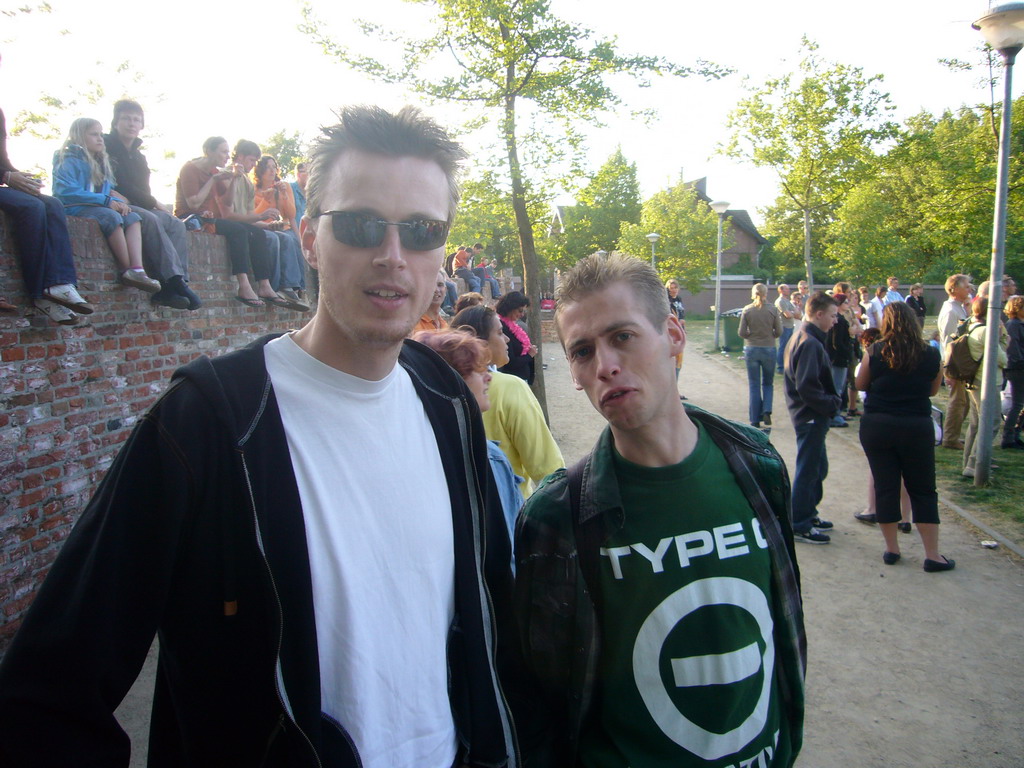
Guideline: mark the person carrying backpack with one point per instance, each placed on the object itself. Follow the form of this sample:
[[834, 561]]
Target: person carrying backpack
[[976, 334]]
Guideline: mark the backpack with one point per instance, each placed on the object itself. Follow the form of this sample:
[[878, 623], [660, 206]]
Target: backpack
[[960, 366]]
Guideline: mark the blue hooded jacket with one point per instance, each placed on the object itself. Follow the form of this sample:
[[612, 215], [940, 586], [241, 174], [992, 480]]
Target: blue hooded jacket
[[72, 180]]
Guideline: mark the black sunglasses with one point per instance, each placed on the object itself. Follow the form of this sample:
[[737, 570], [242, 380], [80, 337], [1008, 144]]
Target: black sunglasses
[[363, 230]]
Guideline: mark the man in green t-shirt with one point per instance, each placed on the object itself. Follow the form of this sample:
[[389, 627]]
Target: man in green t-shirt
[[657, 589]]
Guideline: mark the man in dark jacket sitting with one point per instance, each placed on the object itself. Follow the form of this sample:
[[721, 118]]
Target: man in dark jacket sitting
[[164, 242], [309, 524]]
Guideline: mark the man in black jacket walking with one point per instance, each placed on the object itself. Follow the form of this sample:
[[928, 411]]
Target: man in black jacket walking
[[309, 524], [813, 402]]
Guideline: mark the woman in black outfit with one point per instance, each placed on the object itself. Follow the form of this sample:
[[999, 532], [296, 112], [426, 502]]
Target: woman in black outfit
[[521, 350], [1014, 371], [900, 373]]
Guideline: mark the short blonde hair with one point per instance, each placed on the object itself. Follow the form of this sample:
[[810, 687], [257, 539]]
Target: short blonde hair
[[597, 272], [1014, 306]]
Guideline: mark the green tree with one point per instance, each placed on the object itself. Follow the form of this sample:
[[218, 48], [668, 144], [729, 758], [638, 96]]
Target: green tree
[[288, 150], [497, 56], [816, 130], [927, 207], [689, 235], [610, 199], [486, 216]]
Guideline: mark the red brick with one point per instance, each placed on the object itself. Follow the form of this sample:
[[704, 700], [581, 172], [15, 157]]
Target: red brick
[[12, 354], [43, 428], [31, 481], [18, 401], [28, 499]]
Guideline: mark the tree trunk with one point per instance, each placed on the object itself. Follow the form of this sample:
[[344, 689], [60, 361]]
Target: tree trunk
[[531, 271], [807, 250]]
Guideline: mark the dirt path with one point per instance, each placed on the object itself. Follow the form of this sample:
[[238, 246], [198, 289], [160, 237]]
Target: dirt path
[[905, 668]]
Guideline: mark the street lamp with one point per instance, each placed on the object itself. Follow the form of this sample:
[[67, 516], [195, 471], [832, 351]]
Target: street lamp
[[653, 237], [1003, 29], [719, 207]]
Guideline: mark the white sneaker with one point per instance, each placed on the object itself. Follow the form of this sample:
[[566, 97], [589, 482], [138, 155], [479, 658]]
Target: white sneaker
[[54, 311], [67, 295]]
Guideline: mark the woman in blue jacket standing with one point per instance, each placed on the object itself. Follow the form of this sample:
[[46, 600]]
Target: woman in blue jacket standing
[[83, 181]]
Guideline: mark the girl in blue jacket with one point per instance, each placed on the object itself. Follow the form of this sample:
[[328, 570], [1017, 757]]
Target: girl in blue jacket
[[83, 181]]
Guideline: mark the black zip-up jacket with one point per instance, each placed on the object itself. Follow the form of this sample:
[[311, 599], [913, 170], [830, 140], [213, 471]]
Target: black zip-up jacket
[[810, 389], [131, 171], [196, 534], [839, 343]]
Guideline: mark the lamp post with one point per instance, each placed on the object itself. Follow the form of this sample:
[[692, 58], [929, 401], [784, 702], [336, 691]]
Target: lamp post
[[719, 207], [1003, 29], [653, 237]]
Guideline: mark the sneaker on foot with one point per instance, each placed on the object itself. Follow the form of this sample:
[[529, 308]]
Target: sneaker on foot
[[821, 525], [811, 536], [137, 278], [68, 296], [59, 314], [766, 417], [838, 422]]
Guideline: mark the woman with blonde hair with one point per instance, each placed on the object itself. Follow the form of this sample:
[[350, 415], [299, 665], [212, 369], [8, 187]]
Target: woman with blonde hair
[[83, 181], [760, 326]]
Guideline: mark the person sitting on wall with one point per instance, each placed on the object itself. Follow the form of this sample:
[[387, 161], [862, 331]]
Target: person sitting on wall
[[460, 265], [483, 271], [239, 204], [84, 181], [163, 234], [271, 192], [40, 233], [200, 186]]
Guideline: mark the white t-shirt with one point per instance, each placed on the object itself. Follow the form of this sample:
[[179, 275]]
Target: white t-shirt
[[381, 554]]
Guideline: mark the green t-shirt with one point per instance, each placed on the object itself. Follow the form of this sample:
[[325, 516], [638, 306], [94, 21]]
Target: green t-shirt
[[687, 668]]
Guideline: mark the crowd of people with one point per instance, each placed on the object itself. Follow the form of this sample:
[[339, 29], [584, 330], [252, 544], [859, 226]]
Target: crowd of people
[[105, 176], [875, 352]]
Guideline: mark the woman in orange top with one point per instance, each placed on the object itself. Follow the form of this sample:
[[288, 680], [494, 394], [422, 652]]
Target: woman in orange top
[[271, 192]]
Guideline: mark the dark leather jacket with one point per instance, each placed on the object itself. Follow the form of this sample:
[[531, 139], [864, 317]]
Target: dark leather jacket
[[557, 620]]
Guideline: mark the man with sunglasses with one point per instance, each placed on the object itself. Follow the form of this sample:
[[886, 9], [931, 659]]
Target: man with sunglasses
[[308, 523]]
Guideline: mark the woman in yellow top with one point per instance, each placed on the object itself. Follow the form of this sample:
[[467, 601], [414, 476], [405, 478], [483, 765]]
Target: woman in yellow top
[[515, 420]]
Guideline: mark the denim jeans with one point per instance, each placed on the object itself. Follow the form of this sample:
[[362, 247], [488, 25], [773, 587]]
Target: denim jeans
[[811, 471], [760, 379], [40, 232], [472, 281], [787, 334]]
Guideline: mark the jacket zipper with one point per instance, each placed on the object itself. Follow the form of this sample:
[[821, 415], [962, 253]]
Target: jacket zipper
[[280, 611], [472, 483]]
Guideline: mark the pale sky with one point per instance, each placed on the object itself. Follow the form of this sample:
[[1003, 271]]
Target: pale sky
[[227, 67]]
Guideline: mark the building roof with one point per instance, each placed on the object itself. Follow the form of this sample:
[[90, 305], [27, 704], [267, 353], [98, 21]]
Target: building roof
[[740, 218]]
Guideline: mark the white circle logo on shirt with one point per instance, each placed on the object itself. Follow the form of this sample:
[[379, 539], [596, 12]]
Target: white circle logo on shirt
[[711, 669]]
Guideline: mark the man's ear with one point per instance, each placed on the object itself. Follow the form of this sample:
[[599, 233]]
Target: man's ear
[[307, 236], [676, 334]]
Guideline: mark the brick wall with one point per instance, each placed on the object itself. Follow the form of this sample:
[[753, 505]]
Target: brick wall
[[69, 396]]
